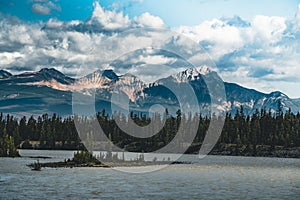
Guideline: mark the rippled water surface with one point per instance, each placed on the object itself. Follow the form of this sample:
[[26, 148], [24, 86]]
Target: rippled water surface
[[213, 177]]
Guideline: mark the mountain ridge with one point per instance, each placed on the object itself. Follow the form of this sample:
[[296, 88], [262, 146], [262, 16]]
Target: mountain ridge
[[49, 90], [4, 74]]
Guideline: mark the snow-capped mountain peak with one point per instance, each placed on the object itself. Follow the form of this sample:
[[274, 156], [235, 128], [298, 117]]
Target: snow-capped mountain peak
[[107, 83], [191, 74], [204, 70]]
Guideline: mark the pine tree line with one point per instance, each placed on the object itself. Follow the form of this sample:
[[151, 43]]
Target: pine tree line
[[47, 132], [54, 132]]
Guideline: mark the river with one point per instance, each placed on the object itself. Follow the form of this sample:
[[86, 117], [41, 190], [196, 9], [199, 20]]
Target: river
[[213, 177]]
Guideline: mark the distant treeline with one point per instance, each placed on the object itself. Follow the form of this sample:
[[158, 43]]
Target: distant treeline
[[44, 132], [241, 131]]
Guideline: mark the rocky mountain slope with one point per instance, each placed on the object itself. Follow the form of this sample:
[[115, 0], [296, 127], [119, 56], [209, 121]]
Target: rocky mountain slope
[[50, 91]]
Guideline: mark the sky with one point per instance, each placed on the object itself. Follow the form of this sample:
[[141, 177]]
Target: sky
[[253, 43], [172, 12]]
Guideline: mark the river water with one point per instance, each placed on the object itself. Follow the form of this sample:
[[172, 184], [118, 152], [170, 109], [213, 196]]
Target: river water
[[214, 177]]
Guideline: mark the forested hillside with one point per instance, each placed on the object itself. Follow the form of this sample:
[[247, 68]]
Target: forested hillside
[[241, 135]]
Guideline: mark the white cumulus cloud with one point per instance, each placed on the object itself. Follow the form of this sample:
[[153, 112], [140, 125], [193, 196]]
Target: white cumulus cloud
[[257, 53], [148, 20], [108, 20]]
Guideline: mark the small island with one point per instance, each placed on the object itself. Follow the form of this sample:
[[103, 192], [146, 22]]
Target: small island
[[87, 159], [80, 159]]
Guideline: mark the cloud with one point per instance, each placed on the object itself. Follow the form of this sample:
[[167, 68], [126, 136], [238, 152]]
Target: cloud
[[44, 7], [148, 20], [254, 53], [73, 45], [53, 6], [268, 29], [296, 21], [106, 22], [40, 9], [220, 37]]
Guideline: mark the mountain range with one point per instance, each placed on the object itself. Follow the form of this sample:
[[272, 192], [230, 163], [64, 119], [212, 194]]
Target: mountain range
[[50, 91]]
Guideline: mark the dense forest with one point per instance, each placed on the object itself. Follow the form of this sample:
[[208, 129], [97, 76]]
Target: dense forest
[[242, 134]]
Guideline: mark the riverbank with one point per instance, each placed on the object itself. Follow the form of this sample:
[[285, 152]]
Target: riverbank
[[85, 159], [219, 149], [249, 151]]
